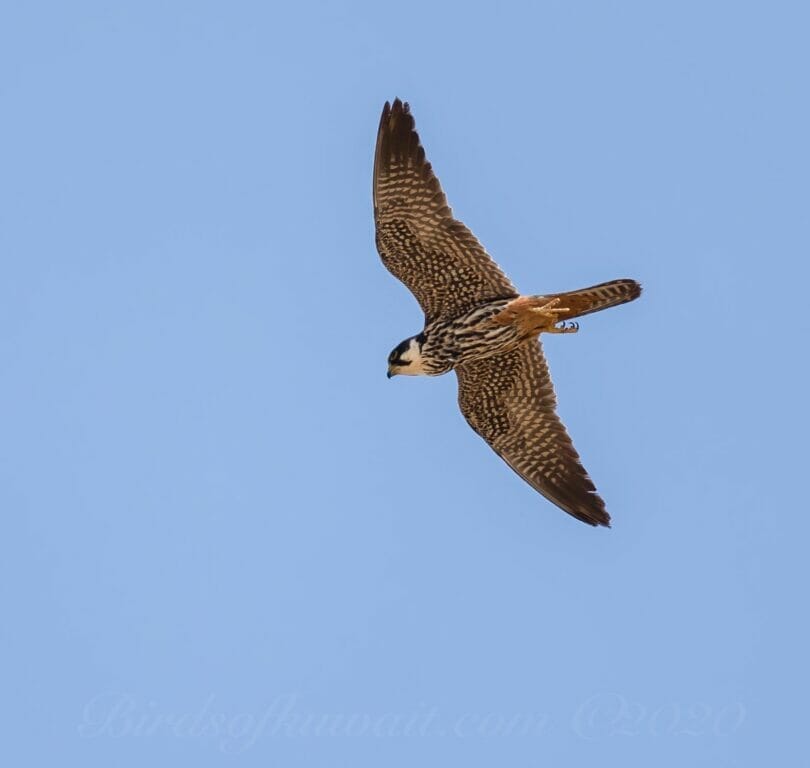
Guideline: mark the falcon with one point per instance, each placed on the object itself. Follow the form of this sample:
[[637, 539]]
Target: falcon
[[478, 325]]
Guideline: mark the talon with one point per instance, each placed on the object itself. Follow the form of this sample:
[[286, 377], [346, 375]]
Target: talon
[[564, 327]]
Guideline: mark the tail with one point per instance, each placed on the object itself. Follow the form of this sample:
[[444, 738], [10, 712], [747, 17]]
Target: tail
[[602, 296]]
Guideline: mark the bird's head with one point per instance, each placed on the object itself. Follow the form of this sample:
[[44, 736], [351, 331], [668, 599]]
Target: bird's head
[[406, 357]]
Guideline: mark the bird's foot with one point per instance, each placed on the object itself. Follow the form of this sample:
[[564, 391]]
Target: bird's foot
[[535, 314], [550, 312]]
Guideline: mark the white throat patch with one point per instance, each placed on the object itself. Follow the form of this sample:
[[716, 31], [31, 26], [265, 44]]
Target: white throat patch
[[413, 357]]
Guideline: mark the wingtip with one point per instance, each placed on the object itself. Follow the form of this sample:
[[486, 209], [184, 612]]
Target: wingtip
[[392, 112], [397, 107], [596, 518], [590, 509]]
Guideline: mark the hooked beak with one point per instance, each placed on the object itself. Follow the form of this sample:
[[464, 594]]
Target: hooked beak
[[390, 374]]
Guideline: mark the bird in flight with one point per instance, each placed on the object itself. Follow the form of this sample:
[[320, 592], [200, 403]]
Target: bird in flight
[[478, 325]]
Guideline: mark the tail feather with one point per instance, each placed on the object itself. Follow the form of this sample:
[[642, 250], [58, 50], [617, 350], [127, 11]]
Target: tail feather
[[597, 297]]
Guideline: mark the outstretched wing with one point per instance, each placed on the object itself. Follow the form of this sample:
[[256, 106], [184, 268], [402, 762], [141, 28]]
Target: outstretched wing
[[436, 256], [509, 400]]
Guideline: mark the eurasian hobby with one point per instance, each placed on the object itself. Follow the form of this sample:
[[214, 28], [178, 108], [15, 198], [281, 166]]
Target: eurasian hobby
[[477, 324]]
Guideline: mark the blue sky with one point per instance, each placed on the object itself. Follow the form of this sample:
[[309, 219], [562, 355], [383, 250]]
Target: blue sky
[[229, 540]]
